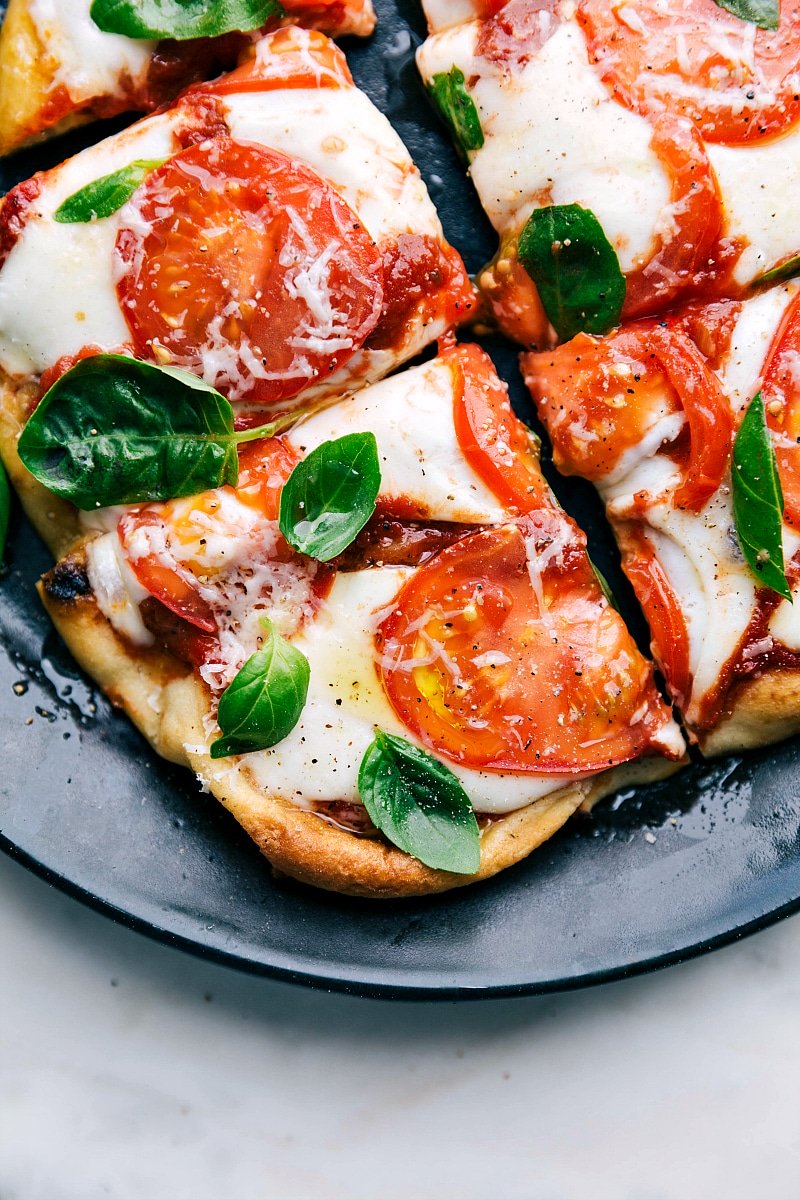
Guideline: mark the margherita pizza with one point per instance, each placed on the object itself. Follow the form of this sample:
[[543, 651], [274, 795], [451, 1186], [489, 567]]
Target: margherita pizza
[[690, 428], [631, 156], [65, 62]]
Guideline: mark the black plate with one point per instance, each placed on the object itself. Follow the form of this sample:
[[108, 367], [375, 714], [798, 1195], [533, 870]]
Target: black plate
[[652, 878]]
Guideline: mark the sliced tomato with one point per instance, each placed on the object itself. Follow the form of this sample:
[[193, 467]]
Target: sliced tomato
[[599, 397], [246, 267], [670, 640], [781, 394], [502, 654], [513, 32], [694, 59], [689, 253], [288, 58], [496, 444], [173, 578]]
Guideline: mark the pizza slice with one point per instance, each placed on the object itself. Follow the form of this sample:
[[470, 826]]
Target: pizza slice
[[268, 232], [66, 62], [631, 156], [387, 653], [690, 428]]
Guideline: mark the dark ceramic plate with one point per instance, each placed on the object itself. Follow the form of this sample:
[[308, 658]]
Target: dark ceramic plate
[[653, 877]]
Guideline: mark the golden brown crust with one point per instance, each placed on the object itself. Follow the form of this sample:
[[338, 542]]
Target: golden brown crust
[[760, 711]]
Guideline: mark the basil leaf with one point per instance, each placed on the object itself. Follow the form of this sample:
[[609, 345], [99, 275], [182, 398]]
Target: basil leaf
[[106, 195], [419, 805], [263, 704], [5, 509], [575, 268], [758, 500], [779, 274], [117, 431], [605, 586], [457, 109], [182, 19], [329, 496], [764, 13]]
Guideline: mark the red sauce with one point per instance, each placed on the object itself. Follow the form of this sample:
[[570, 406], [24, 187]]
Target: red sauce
[[419, 274], [187, 643], [515, 32], [710, 326], [203, 117], [352, 818], [176, 65], [15, 212], [398, 542]]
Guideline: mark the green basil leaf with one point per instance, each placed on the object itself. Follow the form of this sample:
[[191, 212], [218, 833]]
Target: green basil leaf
[[329, 496], [106, 195], [5, 509], [117, 431], [457, 109], [575, 268], [758, 500], [779, 274], [419, 805], [182, 19], [764, 13], [263, 704], [605, 586]]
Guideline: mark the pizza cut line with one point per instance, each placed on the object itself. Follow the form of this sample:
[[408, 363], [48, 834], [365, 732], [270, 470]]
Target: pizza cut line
[[59, 69], [661, 167]]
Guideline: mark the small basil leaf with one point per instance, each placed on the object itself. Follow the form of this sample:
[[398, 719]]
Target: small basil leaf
[[105, 196], [5, 509], [575, 268], [758, 500], [764, 13], [779, 274], [605, 586], [182, 19], [457, 109], [117, 431], [263, 704], [329, 496], [419, 805]]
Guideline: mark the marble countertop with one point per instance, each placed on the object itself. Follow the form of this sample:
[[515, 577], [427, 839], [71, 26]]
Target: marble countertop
[[131, 1071]]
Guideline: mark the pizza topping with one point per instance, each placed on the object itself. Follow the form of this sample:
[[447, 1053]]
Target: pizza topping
[[288, 58], [424, 279], [246, 267], [513, 33], [503, 654], [330, 496], [106, 195], [457, 109], [181, 19], [496, 444], [781, 396], [735, 80], [758, 500], [669, 636], [764, 13], [116, 431], [14, 213], [388, 540], [264, 703], [419, 805], [575, 268]]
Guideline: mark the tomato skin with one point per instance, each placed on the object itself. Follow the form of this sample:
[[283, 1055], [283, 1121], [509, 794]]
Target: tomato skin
[[727, 61], [503, 655], [496, 444], [781, 394], [162, 576], [669, 636], [288, 58], [599, 397], [236, 252]]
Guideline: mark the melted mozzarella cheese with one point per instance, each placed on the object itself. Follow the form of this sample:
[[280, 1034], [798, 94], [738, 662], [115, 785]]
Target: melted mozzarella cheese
[[443, 14], [90, 63], [552, 130], [412, 419], [756, 326], [320, 759], [41, 321]]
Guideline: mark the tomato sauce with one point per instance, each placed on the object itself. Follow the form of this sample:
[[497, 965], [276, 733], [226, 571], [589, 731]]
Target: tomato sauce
[[420, 275]]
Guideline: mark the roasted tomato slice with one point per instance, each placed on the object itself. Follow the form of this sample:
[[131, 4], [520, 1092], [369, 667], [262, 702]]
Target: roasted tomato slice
[[503, 654], [600, 397], [247, 268], [781, 394], [692, 58], [496, 444], [669, 637], [288, 58], [174, 548]]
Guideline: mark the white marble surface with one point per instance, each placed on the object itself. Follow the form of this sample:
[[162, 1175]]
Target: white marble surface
[[133, 1072]]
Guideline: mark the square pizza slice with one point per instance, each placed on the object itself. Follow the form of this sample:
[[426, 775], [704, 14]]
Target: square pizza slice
[[268, 232], [690, 428], [631, 156], [391, 704], [66, 62]]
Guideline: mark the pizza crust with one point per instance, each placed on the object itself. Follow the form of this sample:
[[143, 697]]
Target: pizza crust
[[761, 711]]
